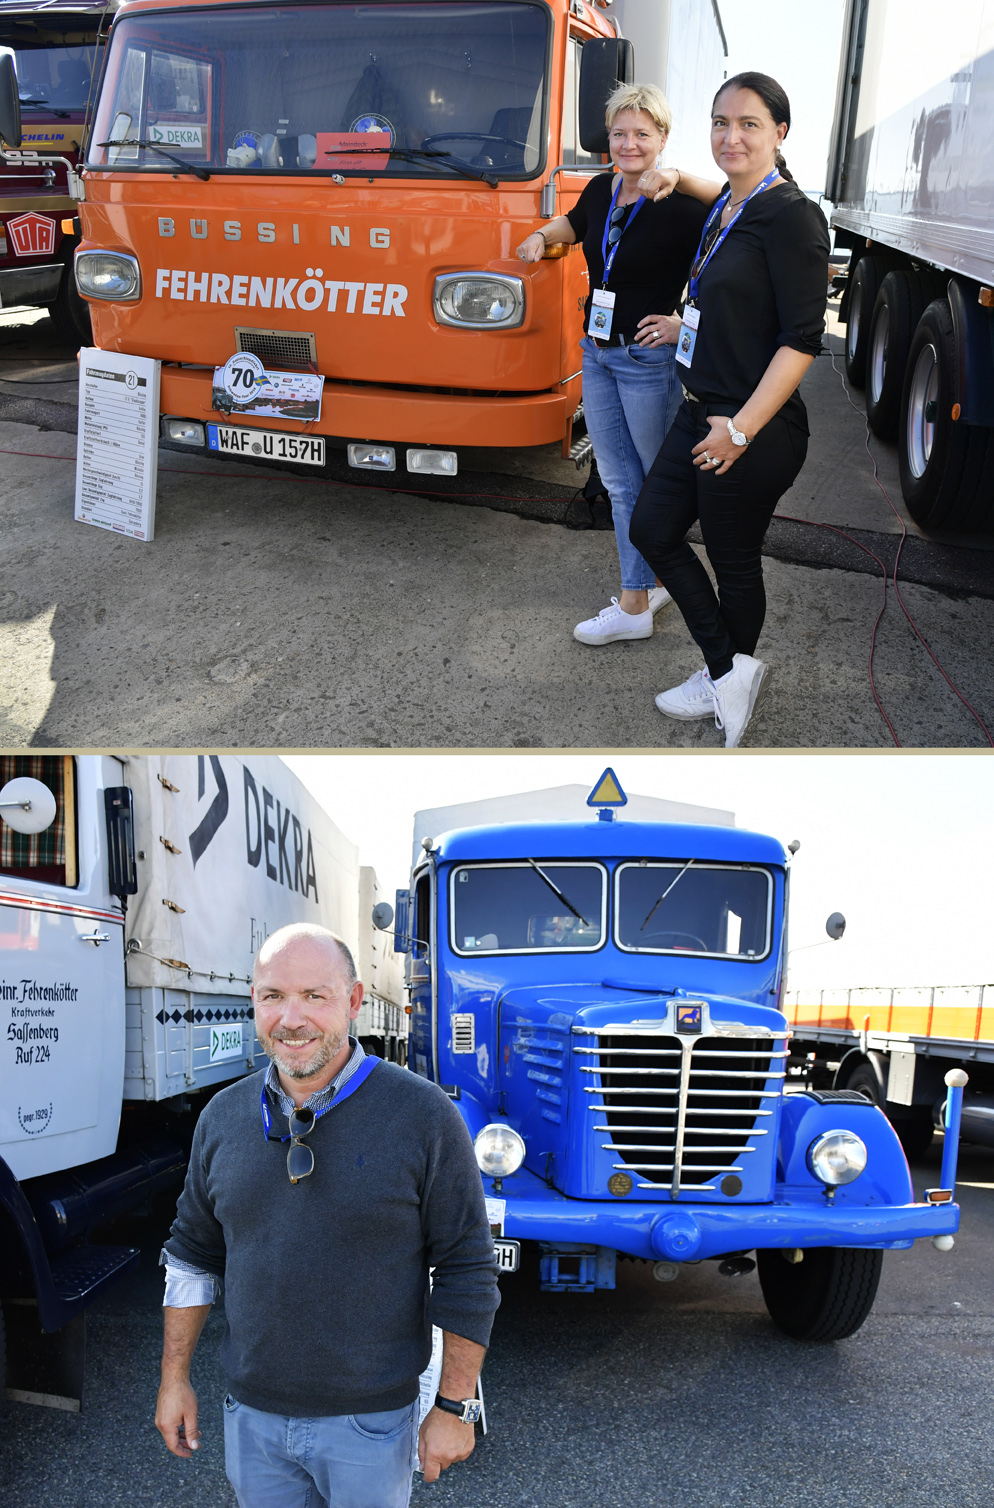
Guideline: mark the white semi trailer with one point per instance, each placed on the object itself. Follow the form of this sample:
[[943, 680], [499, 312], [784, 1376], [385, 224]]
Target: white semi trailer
[[911, 174], [128, 929]]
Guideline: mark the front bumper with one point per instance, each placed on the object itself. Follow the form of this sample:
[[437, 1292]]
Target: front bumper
[[688, 1232]]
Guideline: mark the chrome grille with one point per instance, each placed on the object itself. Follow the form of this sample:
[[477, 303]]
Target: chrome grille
[[278, 348], [677, 1110]]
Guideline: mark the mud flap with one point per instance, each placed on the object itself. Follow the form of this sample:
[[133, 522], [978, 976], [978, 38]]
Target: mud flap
[[44, 1368]]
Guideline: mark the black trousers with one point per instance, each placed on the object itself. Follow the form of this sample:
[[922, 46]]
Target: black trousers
[[734, 512]]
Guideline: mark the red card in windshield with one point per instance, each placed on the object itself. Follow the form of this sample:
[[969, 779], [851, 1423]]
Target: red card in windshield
[[353, 149]]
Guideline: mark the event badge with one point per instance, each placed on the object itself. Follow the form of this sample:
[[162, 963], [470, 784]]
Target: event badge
[[687, 339], [601, 313]]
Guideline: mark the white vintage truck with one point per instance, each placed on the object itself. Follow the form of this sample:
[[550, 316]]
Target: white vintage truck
[[134, 895]]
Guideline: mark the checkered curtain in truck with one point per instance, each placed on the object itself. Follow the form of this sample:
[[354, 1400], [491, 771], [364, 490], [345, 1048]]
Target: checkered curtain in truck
[[23, 852]]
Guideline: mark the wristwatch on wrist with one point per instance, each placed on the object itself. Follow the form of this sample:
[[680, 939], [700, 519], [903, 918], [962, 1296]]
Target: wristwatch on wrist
[[738, 438], [467, 1412]]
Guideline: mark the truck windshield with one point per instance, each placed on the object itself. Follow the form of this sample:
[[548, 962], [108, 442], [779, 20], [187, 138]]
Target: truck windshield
[[714, 909], [511, 908], [329, 88], [53, 78]]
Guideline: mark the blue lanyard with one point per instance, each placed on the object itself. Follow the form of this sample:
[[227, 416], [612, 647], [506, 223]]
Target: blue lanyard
[[362, 1072], [609, 256], [699, 265]]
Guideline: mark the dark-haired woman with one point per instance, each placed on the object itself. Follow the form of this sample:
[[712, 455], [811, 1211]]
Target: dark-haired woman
[[752, 326]]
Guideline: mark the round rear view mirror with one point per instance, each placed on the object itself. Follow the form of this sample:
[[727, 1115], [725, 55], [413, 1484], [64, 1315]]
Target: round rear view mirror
[[26, 805], [836, 925], [382, 915]]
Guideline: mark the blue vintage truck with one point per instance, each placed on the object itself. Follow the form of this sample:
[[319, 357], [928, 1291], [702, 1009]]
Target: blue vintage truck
[[601, 999]]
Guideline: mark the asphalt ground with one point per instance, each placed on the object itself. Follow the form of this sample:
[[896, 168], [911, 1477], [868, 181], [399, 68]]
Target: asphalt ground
[[677, 1393], [301, 611]]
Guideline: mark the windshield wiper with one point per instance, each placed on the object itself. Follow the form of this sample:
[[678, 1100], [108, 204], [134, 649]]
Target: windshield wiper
[[665, 894], [414, 154], [150, 146], [62, 114], [556, 891]]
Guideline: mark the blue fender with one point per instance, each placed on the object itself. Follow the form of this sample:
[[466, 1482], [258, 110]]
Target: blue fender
[[886, 1179], [26, 1267]]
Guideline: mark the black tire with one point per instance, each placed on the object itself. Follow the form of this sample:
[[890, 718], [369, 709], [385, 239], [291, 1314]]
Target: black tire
[[898, 308], [913, 1127], [947, 468], [866, 278], [825, 1297], [70, 313]]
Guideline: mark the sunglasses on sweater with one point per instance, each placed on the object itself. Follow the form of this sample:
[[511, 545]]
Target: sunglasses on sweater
[[300, 1158]]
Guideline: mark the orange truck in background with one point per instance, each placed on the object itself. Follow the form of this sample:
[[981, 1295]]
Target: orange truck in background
[[895, 1046], [53, 46], [330, 190]]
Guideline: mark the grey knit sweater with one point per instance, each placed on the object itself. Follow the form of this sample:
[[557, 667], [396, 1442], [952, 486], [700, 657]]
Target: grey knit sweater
[[327, 1304]]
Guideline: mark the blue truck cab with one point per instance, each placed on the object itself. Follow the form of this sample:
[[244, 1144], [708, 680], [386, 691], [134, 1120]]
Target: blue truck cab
[[600, 998]]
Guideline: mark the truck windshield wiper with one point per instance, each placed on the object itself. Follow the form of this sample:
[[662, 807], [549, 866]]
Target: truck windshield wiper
[[665, 894], [556, 891], [24, 100], [414, 154], [150, 146]]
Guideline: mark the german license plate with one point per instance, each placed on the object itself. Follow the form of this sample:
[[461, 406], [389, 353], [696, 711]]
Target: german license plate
[[508, 1254], [266, 444]]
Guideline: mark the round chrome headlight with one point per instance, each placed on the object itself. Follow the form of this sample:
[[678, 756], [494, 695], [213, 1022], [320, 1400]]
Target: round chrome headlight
[[837, 1157], [499, 1151]]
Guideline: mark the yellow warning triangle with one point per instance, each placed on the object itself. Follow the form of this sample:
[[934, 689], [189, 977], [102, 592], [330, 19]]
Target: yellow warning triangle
[[607, 791]]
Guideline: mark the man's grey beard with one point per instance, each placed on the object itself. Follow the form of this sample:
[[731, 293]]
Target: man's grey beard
[[328, 1048]]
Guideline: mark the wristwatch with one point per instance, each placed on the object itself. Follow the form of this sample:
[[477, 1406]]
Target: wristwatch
[[468, 1412], [738, 438]]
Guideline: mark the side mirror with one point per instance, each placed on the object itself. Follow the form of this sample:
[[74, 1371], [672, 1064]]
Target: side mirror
[[402, 922], [122, 869], [26, 805], [10, 104], [836, 925], [382, 915], [604, 64]]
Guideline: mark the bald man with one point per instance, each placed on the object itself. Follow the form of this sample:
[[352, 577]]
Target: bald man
[[320, 1192]]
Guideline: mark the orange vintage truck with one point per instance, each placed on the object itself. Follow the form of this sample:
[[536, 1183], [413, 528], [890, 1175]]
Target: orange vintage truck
[[335, 191], [895, 1046]]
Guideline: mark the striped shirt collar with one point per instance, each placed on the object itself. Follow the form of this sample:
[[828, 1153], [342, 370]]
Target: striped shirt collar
[[321, 1098]]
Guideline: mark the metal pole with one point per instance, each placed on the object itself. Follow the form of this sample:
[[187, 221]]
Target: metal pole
[[956, 1081]]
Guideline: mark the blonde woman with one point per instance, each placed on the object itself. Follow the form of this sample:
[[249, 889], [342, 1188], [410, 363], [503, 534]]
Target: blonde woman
[[638, 252]]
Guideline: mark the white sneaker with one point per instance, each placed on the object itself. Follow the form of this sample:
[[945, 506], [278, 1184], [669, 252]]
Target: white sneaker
[[614, 623], [736, 696], [695, 698], [658, 597]]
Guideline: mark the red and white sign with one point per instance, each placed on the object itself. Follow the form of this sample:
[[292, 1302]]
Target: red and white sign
[[32, 235]]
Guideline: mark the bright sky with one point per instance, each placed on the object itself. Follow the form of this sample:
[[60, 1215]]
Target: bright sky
[[799, 45], [900, 844]]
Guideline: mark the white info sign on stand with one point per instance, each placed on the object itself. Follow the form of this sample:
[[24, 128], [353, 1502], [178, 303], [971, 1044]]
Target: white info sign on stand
[[117, 450]]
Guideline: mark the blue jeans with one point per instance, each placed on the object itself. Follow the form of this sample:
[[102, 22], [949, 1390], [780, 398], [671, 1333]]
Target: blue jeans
[[341, 1460], [630, 398]]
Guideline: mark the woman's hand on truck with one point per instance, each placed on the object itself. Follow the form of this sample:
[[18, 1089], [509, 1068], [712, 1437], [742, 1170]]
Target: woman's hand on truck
[[532, 248]]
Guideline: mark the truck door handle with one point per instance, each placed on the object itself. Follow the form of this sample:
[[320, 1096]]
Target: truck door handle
[[94, 937]]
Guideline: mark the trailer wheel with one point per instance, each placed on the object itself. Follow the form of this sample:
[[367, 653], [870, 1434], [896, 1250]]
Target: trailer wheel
[[827, 1296], [946, 467], [896, 312], [867, 276]]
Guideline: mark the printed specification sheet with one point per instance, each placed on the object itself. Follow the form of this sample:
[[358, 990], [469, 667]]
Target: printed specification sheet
[[118, 442]]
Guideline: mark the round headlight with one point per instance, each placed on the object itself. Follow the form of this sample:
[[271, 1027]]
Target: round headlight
[[837, 1157], [499, 1151]]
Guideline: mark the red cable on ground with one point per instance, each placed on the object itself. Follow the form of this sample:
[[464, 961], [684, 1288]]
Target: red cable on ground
[[897, 560]]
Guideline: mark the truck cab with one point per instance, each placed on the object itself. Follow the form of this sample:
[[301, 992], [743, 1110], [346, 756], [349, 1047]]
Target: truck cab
[[602, 1001]]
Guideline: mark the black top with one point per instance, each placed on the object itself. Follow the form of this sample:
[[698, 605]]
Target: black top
[[764, 288], [654, 257]]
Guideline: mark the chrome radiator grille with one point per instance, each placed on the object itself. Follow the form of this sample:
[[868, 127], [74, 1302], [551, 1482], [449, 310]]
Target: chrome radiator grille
[[680, 1111]]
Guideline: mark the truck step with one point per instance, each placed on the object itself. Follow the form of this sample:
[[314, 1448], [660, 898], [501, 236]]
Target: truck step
[[80, 1274], [581, 451]]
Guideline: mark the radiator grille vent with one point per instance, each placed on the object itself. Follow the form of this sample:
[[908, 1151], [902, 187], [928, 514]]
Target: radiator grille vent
[[278, 348], [464, 1032], [643, 1078]]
